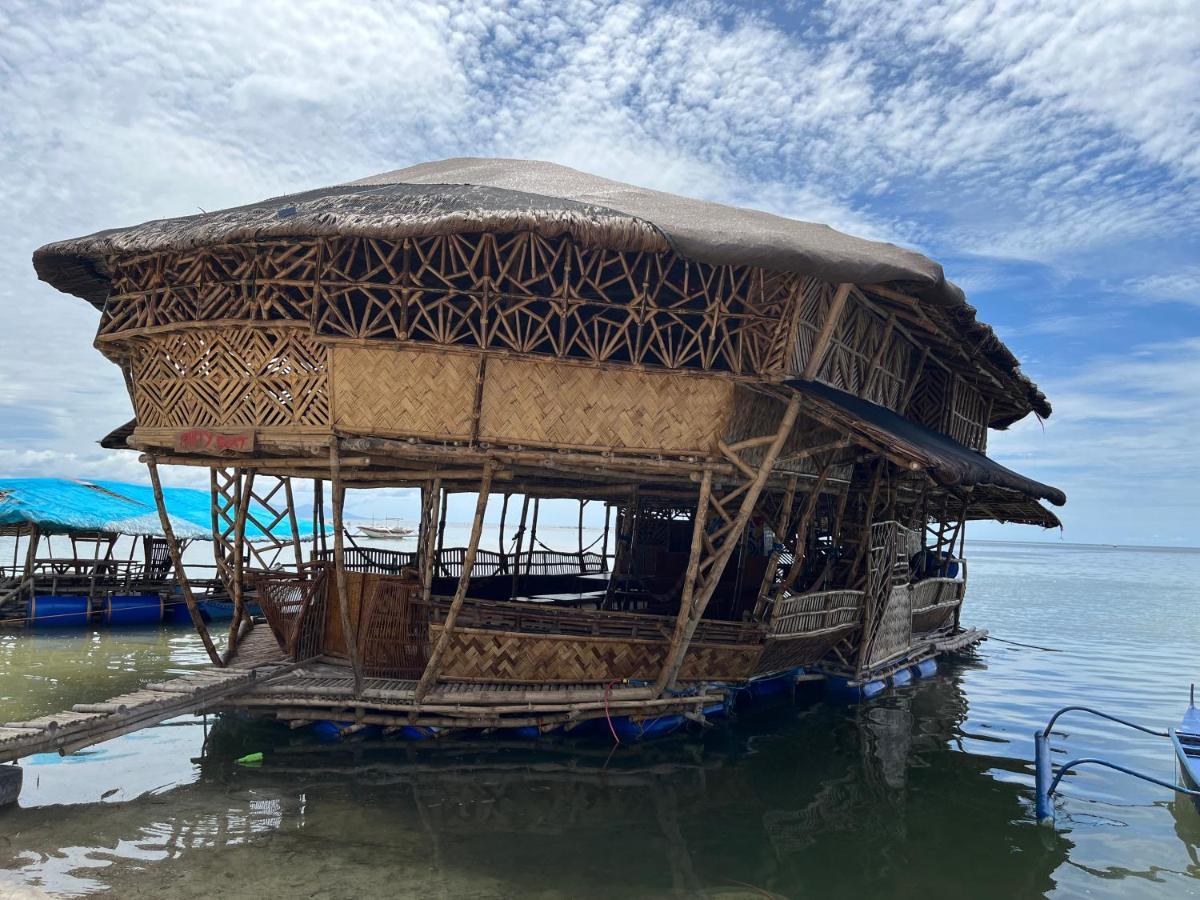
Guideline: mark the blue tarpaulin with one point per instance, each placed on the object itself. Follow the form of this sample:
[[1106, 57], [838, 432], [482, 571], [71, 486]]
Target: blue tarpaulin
[[63, 505]]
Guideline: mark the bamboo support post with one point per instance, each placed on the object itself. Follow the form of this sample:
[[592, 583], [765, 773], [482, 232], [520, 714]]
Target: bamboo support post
[[177, 561], [433, 667], [688, 619], [293, 524], [427, 536], [245, 482], [339, 565], [520, 538]]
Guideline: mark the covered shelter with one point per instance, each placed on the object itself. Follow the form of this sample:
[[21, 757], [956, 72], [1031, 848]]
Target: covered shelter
[[788, 423], [92, 516]]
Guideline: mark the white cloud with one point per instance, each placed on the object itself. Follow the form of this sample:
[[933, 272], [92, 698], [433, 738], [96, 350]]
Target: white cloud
[[1048, 131]]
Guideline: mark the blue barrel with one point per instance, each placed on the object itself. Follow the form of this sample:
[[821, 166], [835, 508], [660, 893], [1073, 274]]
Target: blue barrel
[[133, 609], [59, 611]]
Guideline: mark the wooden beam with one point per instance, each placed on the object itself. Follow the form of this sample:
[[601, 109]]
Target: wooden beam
[[434, 666]]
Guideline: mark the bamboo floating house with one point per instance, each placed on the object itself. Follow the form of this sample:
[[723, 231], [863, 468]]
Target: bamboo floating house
[[788, 422]]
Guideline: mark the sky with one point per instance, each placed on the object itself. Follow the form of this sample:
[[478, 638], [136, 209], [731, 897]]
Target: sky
[[1046, 153]]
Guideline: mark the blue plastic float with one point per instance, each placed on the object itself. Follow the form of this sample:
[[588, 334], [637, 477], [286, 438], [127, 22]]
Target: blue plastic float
[[134, 609], [59, 611]]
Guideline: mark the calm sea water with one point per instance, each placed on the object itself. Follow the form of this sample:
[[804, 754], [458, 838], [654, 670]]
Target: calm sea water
[[925, 792]]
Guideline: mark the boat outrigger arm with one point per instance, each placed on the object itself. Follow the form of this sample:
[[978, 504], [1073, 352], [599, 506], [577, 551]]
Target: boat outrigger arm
[[1046, 779]]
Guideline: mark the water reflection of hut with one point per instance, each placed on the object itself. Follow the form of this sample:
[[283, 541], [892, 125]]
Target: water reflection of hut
[[788, 422]]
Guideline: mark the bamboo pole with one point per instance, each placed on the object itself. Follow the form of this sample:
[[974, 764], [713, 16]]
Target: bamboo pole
[[821, 344], [295, 525], [245, 482], [503, 516], [604, 542], [441, 529], [582, 568], [339, 565], [177, 561], [780, 527], [516, 578], [716, 563], [433, 667], [427, 535]]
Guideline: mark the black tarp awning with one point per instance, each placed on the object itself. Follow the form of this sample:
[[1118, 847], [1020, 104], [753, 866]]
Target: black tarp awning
[[948, 461]]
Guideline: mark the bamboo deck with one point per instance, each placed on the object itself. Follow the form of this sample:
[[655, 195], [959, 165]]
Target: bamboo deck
[[86, 724]]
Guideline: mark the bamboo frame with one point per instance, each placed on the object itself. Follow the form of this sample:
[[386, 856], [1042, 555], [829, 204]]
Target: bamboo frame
[[177, 560], [433, 667], [689, 616], [339, 566]]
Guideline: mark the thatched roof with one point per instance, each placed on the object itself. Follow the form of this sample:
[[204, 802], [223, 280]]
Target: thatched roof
[[505, 195], [949, 462]]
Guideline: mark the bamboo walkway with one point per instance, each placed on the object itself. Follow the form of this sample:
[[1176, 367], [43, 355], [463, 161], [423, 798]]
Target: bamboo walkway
[[91, 723]]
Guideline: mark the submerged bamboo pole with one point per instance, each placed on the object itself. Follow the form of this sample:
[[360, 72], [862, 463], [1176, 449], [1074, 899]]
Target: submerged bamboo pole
[[177, 561], [433, 667], [339, 565]]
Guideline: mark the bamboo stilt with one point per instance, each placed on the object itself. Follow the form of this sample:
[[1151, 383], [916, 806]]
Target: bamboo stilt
[[177, 560], [716, 563], [339, 566], [433, 667], [516, 578]]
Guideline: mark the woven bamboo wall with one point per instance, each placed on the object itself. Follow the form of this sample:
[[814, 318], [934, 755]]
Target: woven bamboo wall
[[564, 405], [432, 394], [414, 393], [478, 654]]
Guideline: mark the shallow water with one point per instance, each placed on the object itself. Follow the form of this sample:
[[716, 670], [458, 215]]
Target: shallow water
[[924, 792]]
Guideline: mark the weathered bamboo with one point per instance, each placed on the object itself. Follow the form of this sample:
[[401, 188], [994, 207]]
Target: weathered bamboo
[[245, 484], [503, 515], [520, 538], [433, 667], [687, 598], [339, 565], [177, 561], [780, 529], [716, 563], [427, 536], [293, 524], [821, 344]]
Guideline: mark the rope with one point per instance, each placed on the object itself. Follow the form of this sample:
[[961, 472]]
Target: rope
[[992, 637], [608, 718]]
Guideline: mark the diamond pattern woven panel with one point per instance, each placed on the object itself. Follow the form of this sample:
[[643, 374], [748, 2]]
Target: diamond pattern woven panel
[[565, 405], [505, 656], [265, 377]]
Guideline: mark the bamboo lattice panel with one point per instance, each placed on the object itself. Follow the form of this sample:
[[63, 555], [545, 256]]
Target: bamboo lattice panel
[[209, 377], [516, 292], [258, 282], [560, 404], [405, 392], [504, 656]]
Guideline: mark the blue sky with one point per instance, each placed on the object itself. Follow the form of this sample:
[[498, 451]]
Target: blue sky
[[1046, 153]]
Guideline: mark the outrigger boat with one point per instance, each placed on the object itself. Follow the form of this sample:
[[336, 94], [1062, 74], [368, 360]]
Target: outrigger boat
[[1185, 738], [385, 531], [786, 425]]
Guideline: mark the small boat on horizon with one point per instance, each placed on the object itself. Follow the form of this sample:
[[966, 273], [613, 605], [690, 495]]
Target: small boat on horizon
[[384, 531]]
